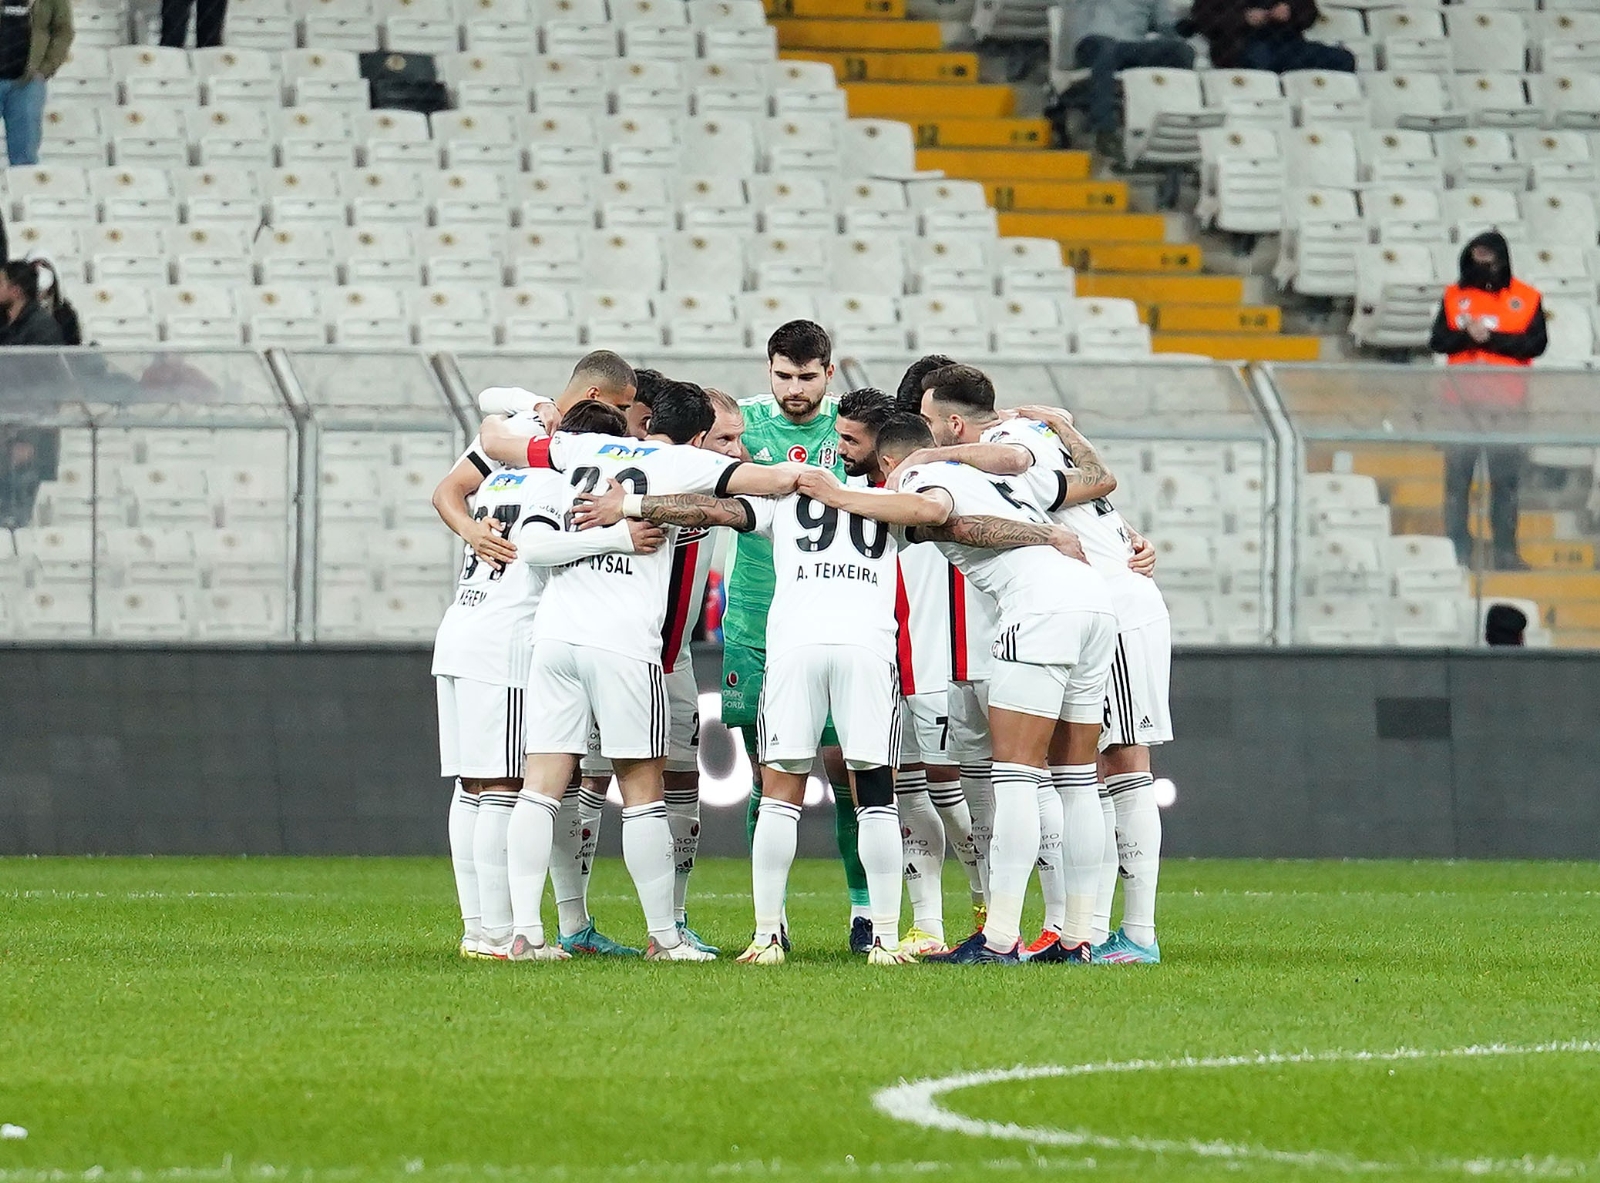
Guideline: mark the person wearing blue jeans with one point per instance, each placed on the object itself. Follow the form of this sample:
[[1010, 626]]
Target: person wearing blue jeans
[[1111, 35], [35, 37], [1263, 35]]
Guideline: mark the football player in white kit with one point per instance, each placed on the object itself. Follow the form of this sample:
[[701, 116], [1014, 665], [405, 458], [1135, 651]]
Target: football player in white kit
[[1042, 447], [1053, 658], [480, 664], [691, 571], [597, 653]]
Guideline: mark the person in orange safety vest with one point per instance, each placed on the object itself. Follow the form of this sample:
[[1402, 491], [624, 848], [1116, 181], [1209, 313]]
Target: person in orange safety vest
[[1488, 318]]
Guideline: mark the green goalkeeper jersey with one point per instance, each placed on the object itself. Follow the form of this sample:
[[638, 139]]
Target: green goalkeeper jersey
[[771, 438]]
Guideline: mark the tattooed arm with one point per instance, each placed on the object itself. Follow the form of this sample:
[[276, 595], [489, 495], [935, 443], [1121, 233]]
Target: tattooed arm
[[995, 533], [666, 509], [1089, 477]]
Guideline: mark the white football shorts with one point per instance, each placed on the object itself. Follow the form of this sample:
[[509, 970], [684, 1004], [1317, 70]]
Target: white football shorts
[[1073, 693], [627, 698], [683, 729], [1137, 710], [970, 740], [925, 729], [480, 729], [805, 685]]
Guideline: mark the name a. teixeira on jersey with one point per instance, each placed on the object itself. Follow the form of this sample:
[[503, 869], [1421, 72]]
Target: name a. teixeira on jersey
[[837, 571]]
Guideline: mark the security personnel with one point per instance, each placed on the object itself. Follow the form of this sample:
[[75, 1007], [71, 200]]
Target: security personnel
[[1487, 318]]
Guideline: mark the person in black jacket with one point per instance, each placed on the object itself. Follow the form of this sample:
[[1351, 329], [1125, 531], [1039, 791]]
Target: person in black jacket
[[27, 322]]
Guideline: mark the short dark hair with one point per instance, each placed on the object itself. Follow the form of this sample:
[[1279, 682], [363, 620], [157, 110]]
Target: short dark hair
[[646, 383], [908, 396], [680, 411], [903, 434], [606, 369], [801, 340], [868, 406], [25, 276], [963, 386], [594, 416]]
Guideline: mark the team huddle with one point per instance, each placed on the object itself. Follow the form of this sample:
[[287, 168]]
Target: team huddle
[[934, 596]]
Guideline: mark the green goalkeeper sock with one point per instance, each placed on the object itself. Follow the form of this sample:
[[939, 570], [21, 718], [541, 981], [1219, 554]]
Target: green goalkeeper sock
[[748, 734], [846, 832]]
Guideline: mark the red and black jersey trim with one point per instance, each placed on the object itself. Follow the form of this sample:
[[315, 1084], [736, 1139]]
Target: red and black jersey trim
[[676, 624], [958, 626]]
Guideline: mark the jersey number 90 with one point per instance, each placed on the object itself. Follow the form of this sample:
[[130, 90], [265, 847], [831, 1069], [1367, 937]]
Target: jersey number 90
[[821, 524]]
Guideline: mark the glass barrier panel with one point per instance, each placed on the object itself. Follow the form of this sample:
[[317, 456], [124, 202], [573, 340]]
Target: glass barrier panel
[[1193, 461], [386, 436], [149, 497], [1445, 506]]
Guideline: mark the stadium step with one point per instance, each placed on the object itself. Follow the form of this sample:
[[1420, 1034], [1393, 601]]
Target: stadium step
[[1216, 318], [1395, 463], [1545, 587], [1002, 164], [1557, 555], [1165, 289], [1577, 614], [1057, 196], [1576, 639], [981, 133], [1134, 256], [953, 68], [1240, 346], [1068, 228], [859, 34], [878, 10], [914, 101]]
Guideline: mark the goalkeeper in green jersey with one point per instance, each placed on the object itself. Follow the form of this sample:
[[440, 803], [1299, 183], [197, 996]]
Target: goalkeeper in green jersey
[[795, 422]]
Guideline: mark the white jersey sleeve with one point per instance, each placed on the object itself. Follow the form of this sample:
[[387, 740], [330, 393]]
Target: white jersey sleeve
[[524, 423], [487, 631], [837, 579], [1099, 527]]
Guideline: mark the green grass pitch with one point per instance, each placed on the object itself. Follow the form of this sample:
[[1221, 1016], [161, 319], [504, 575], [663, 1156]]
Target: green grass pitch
[[308, 1019]]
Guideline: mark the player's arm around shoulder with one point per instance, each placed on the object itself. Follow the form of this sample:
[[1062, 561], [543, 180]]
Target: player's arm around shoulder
[[544, 543], [919, 507], [450, 503], [996, 457], [988, 532], [1087, 478]]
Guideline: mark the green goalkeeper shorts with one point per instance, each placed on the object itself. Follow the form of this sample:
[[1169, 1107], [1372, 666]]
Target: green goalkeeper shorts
[[743, 674]]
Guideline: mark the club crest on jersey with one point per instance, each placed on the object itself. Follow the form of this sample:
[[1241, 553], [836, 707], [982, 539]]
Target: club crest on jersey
[[828, 456], [798, 454]]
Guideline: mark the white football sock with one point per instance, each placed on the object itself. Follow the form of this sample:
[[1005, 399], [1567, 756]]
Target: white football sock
[[529, 841], [771, 856], [1013, 848], [571, 857], [1052, 876], [463, 821], [1139, 851], [489, 860], [922, 847], [878, 844], [1083, 844], [951, 803], [647, 851], [977, 788], [1106, 886], [683, 818]]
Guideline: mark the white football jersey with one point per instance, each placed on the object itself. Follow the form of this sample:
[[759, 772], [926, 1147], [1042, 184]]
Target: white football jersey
[[837, 577], [974, 624], [618, 602], [1098, 525], [487, 631], [523, 423], [925, 633], [1028, 581]]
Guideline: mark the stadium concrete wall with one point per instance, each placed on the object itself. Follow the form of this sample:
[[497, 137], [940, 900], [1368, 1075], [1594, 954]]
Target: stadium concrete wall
[[325, 750]]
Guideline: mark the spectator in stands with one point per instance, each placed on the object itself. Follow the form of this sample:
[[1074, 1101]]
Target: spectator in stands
[[35, 36], [209, 17], [1249, 35], [27, 322], [1505, 624], [56, 303], [1487, 318], [1111, 35]]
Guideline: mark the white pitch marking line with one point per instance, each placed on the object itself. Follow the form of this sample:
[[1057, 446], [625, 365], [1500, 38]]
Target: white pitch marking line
[[918, 1102]]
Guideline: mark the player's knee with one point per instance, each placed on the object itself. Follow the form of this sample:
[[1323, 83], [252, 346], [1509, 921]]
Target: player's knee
[[874, 786]]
